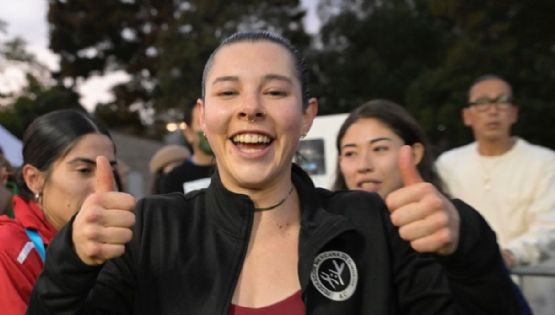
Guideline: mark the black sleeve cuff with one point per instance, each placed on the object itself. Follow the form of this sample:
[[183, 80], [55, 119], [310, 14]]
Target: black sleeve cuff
[[477, 251]]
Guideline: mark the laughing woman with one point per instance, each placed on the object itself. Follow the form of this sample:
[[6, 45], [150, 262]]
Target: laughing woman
[[261, 239]]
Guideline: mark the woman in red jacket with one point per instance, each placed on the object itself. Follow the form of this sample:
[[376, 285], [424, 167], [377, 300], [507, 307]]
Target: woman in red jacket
[[59, 152]]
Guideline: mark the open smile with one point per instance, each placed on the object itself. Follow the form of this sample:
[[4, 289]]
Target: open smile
[[369, 185], [251, 142]]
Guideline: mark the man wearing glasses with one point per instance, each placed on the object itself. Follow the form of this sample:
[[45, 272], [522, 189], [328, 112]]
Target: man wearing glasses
[[510, 181]]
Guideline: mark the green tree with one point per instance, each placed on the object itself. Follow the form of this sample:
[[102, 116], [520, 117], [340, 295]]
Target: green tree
[[95, 37], [161, 44], [18, 115], [425, 54], [514, 39], [372, 49], [186, 46], [118, 116]]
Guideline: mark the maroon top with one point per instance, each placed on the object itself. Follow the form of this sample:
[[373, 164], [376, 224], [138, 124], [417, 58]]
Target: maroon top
[[292, 305]]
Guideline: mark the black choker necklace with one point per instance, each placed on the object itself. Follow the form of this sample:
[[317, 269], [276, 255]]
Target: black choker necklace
[[277, 204]]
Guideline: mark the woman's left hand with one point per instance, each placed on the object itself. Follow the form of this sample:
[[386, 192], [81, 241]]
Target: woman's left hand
[[424, 216]]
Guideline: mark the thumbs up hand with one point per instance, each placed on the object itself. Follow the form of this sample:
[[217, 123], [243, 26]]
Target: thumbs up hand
[[103, 225], [425, 218]]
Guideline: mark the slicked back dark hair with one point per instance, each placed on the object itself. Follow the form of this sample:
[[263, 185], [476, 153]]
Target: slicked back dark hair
[[401, 122], [51, 136], [263, 36]]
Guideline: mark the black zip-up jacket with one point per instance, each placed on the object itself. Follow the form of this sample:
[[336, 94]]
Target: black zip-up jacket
[[187, 252]]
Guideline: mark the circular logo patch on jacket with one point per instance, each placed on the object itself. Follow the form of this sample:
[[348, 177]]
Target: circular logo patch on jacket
[[335, 275]]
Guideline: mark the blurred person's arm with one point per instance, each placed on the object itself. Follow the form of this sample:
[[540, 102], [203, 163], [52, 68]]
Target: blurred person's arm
[[533, 245]]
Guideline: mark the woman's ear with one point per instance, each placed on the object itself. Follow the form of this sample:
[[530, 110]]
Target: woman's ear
[[200, 109], [309, 114], [418, 152], [197, 113], [33, 177]]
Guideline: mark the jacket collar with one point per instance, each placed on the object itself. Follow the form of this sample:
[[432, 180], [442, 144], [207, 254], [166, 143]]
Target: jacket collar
[[234, 214], [230, 211], [233, 211], [318, 225], [31, 216]]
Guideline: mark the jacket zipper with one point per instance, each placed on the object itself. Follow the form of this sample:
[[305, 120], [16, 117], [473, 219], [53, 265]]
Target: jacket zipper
[[239, 265]]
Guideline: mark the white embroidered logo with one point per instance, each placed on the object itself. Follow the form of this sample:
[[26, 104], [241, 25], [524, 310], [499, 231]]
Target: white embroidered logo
[[331, 278]]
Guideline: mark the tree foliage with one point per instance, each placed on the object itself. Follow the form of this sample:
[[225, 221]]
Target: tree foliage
[[187, 44], [425, 54], [515, 39], [162, 44], [373, 50], [36, 100]]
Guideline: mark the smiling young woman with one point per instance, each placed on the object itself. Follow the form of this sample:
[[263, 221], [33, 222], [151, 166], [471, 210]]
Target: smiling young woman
[[368, 143], [213, 251]]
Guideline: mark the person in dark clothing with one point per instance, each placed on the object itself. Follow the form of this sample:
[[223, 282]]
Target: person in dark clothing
[[195, 171], [261, 238], [165, 160]]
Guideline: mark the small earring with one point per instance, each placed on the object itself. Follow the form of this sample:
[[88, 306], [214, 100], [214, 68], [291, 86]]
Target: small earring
[[303, 135], [38, 197]]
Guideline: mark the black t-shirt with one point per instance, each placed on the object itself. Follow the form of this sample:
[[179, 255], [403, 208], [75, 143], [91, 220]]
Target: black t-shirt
[[186, 172]]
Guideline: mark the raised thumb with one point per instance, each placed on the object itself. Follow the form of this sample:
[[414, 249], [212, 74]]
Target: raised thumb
[[104, 175], [407, 167]]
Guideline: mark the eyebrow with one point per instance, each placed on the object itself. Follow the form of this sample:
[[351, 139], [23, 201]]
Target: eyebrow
[[372, 141], [279, 77], [88, 161], [225, 79], [268, 77]]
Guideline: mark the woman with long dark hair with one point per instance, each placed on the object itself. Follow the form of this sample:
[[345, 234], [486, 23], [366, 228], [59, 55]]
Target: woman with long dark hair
[[372, 134], [58, 173]]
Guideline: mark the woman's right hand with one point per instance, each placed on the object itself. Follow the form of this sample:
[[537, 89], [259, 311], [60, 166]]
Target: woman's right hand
[[425, 218], [104, 223]]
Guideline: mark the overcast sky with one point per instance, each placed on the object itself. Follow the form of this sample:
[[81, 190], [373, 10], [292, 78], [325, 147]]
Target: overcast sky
[[27, 19]]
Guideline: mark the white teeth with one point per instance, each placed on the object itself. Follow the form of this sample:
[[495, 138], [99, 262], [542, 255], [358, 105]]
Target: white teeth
[[367, 184], [251, 138]]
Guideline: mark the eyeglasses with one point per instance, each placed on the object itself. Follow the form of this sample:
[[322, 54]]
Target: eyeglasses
[[482, 104]]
